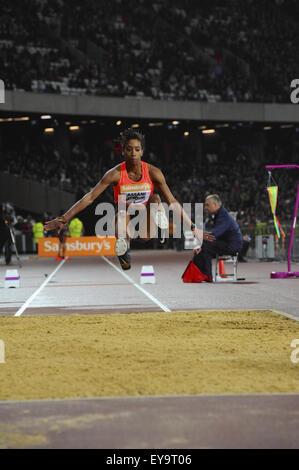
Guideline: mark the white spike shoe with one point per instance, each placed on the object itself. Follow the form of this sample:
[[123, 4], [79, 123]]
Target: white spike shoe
[[161, 220], [123, 253], [121, 246]]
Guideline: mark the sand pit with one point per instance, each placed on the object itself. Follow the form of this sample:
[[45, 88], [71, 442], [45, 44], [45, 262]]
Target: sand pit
[[177, 353]]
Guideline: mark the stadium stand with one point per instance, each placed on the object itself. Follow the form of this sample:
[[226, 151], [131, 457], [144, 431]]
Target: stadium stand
[[106, 49]]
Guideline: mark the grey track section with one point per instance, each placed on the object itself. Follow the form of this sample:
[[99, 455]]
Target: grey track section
[[169, 422], [89, 285]]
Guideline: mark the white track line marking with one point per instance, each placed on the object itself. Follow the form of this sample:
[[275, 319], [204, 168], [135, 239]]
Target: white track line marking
[[150, 296], [288, 315], [28, 302]]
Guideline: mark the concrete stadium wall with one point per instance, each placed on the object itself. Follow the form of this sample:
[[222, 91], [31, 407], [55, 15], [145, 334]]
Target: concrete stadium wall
[[33, 196], [16, 101]]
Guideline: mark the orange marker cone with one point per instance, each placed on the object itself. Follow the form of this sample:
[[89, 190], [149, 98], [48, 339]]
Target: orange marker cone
[[221, 268]]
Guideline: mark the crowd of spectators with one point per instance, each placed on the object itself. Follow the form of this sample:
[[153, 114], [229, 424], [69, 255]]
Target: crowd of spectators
[[170, 49], [238, 176], [22, 223]]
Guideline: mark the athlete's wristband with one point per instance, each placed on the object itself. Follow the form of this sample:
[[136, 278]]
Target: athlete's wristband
[[193, 227], [60, 219]]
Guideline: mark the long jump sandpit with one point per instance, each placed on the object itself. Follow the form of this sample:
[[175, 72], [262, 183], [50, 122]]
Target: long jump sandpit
[[158, 353]]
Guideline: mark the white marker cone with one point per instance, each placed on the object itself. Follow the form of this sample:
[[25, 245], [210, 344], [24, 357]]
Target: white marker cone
[[147, 275], [12, 278]]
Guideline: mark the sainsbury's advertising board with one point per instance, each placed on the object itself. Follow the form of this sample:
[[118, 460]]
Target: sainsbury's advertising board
[[77, 246]]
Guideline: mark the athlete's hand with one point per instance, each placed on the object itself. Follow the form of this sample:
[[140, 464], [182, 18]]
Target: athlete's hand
[[197, 249], [54, 224]]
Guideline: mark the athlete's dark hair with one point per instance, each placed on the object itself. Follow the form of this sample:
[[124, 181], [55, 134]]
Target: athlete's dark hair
[[129, 134]]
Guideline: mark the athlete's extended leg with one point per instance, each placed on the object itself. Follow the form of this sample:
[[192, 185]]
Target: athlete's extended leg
[[122, 245], [155, 218]]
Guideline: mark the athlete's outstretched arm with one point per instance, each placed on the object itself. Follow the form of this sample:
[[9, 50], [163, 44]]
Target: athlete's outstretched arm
[[158, 178], [110, 177]]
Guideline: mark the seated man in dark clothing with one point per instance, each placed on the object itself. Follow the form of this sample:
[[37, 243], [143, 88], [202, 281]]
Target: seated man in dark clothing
[[228, 238]]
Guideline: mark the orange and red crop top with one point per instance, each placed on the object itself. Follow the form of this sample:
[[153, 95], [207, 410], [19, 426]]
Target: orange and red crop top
[[136, 192]]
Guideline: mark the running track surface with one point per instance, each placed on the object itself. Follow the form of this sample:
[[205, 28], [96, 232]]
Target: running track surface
[[222, 421]]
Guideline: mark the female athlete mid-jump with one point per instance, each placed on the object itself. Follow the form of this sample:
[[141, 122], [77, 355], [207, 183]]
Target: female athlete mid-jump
[[134, 179]]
